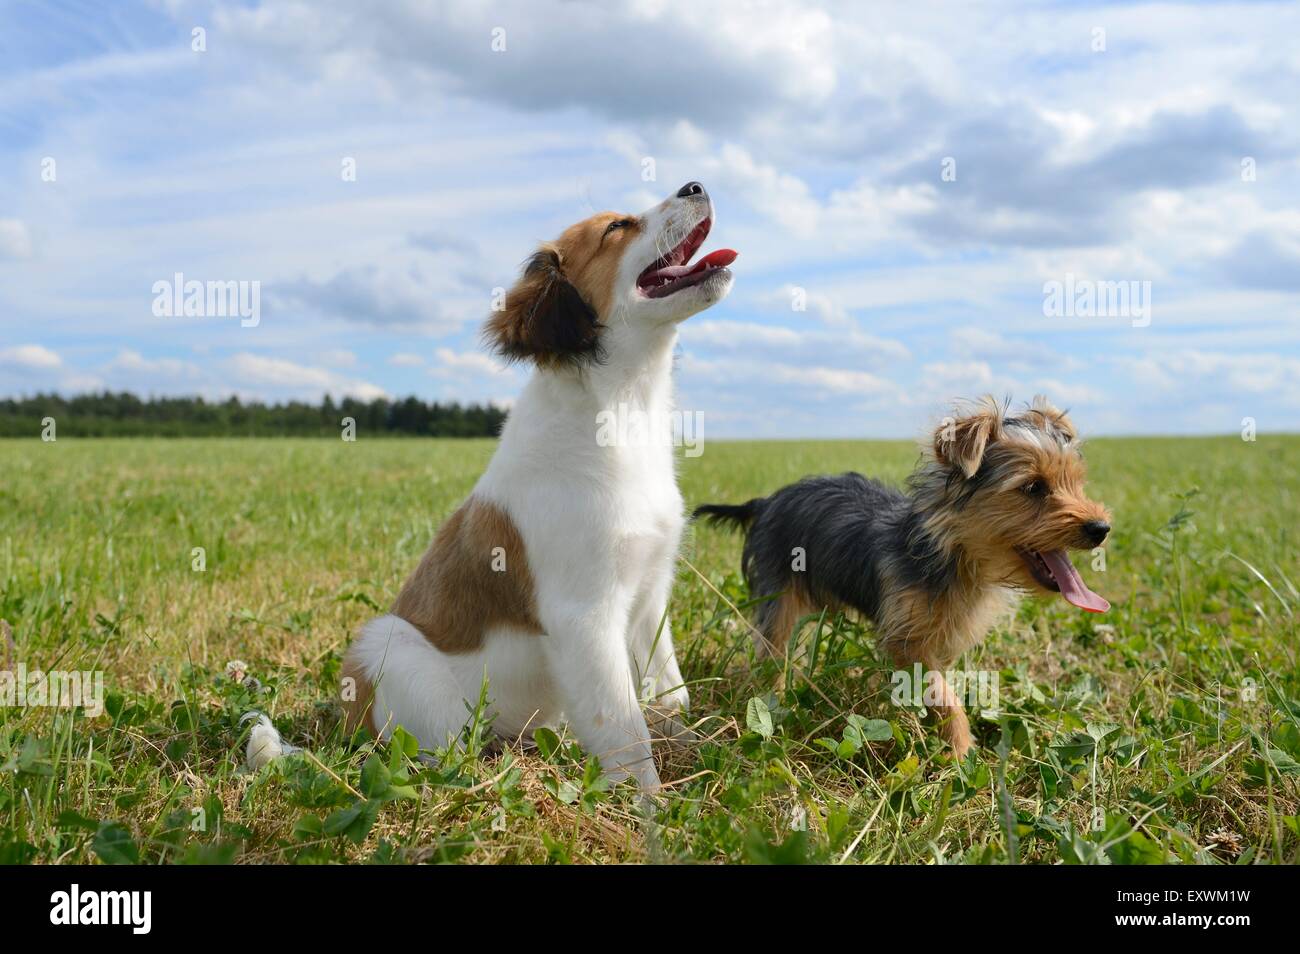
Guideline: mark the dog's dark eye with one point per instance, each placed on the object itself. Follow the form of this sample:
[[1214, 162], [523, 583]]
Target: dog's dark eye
[[620, 224], [1037, 488]]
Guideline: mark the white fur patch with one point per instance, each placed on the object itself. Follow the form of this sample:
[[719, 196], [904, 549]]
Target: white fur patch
[[600, 522], [264, 743]]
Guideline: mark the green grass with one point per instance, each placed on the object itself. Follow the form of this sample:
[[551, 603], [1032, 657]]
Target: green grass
[[1165, 731]]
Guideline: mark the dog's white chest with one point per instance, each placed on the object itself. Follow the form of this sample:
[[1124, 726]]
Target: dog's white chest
[[648, 509]]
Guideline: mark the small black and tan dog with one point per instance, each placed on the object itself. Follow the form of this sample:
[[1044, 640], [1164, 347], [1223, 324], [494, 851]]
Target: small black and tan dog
[[993, 509]]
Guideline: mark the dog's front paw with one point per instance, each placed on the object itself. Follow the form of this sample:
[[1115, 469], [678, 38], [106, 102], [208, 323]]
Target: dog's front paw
[[669, 725], [676, 699], [956, 732], [643, 773]]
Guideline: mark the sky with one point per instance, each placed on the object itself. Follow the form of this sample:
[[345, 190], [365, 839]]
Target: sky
[[925, 198]]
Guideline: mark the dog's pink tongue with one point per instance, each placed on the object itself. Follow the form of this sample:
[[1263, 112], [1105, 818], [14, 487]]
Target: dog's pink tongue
[[1072, 586], [719, 259]]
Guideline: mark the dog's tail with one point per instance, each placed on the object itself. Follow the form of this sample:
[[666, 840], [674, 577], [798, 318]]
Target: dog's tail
[[739, 516]]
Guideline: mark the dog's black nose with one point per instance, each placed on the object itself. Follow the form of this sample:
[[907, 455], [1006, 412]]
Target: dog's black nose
[[1096, 530], [690, 189]]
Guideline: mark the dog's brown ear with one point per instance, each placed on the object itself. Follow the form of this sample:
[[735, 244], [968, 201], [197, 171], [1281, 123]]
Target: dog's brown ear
[[545, 318], [960, 441]]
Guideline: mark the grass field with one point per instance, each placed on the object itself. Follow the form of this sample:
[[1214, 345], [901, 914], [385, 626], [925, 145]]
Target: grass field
[[1164, 731]]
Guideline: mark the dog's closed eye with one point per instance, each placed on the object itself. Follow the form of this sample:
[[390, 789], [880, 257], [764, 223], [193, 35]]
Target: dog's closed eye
[[1037, 489]]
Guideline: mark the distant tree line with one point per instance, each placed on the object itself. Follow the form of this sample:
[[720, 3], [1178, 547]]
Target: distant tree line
[[124, 414]]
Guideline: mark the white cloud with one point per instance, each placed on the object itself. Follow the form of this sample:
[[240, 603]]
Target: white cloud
[[403, 359], [277, 376], [815, 379], [77, 74], [467, 362], [738, 334], [15, 241], [826, 309], [959, 378], [780, 196], [836, 380], [1067, 394], [337, 358], [707, 68], [819, 133], [135, 364], [30, 356], [24, 376], [1191, 373], [941, 383], [811, 344], [1021, 353], [78, 383], [388, 296]]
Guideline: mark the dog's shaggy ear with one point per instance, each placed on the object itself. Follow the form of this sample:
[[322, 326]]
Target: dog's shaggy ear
[[960, 441], [545, 318]]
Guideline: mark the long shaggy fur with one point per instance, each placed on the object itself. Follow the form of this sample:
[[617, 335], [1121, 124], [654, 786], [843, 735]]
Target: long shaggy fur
[[931, 568], [545, 319]]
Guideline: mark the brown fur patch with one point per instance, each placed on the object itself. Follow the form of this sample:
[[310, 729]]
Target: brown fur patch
[[997, 484], [915, 627], [960, 442], [782, 617], [473, 577], [359, 710], [594, 254], [553, 313], [1036, 450]]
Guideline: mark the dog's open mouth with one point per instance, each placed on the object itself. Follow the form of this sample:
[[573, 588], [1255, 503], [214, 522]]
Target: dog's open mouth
[[671, 274], [1054, 571]]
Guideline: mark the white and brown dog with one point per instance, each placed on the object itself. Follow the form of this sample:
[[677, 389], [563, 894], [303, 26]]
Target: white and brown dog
[[552, 579]]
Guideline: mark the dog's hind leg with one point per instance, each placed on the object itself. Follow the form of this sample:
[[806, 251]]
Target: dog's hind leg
[[393, 676], [777, 619]]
